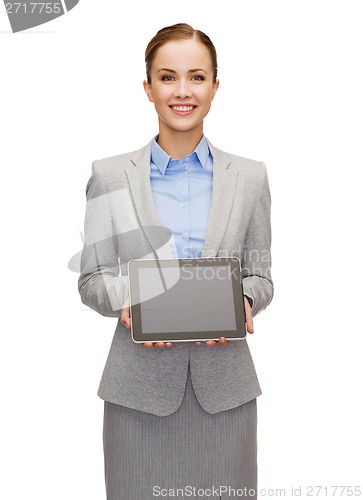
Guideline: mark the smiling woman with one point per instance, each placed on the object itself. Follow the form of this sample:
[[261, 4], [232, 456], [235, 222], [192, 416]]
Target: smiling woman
[[178, 414], [181, 83]]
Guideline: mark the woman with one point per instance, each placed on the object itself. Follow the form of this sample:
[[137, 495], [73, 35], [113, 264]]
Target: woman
[[179, 419]]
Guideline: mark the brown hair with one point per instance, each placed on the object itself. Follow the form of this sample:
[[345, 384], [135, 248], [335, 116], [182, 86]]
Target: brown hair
[[180, 31]]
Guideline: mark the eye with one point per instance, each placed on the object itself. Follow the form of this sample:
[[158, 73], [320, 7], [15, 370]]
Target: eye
[[198, 77], [166, 78]]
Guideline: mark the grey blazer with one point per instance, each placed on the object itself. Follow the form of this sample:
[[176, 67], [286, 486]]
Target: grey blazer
[[120, 200]]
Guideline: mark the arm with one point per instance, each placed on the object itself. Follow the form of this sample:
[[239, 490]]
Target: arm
[[100, 285], [256, 260]]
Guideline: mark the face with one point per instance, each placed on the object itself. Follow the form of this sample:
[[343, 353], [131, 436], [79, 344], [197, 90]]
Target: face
[[181, 87]]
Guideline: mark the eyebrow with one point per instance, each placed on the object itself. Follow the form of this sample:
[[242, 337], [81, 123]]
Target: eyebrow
[[190, 71]]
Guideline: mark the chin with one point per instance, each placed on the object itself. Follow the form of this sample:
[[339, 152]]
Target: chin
[[183, 127]]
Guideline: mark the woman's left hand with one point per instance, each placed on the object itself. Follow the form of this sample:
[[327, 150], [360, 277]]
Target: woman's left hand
[[222, 341], [249, 326]]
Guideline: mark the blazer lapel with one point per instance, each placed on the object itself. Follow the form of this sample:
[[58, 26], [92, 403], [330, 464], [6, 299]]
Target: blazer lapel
[[224, 185], [138, 175]]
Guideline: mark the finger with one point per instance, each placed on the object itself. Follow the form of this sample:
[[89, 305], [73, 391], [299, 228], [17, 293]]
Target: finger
[[126, 315], [168, 344], [125, 320], [198, 342], [159, 344], [249, 322], [211, 342], [223, 341], [148, 344]]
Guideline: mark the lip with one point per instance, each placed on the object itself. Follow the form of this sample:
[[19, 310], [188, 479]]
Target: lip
[[183, 113]]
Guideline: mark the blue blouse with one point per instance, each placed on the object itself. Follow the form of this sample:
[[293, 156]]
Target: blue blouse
[[182, 191]]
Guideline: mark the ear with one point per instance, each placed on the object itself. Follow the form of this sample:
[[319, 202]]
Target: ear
[[147, 88], [215, 88]]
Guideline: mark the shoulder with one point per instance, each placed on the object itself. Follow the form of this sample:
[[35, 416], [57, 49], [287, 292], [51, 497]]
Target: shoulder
[[113, 161], [108, 174], [242, 164], [110, 163]]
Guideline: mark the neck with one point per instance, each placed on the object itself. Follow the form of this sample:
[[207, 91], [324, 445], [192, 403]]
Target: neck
[[178, 143]]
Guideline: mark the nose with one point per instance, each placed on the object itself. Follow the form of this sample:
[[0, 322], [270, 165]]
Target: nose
[[182, 90]]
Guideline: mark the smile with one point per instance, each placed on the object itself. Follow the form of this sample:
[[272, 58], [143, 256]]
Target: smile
[[183, 109]]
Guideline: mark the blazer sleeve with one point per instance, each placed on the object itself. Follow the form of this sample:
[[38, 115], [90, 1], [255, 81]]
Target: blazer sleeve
[[256, 260], [100, 284]]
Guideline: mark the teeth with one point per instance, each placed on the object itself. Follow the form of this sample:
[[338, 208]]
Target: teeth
[[182, 108]]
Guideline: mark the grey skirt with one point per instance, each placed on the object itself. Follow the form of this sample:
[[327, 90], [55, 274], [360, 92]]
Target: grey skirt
[[188, 454]]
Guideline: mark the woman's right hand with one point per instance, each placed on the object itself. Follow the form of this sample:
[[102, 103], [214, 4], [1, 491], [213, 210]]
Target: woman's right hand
[[126, 321]]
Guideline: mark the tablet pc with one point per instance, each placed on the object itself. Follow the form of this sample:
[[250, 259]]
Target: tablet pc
[[175, 300]]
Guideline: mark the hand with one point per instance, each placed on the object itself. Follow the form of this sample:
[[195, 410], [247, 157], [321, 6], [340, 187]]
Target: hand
[[126, 321], [222, 341], [126, 314], [249, 325], [249, 321]]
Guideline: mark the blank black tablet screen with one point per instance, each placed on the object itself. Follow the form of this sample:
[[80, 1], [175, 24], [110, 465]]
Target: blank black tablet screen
[[188, 299]]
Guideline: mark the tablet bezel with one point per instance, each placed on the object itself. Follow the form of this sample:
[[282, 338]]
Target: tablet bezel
[[237, 289]]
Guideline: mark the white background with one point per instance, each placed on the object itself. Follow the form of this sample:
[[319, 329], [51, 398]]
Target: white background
[[291, 96]]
